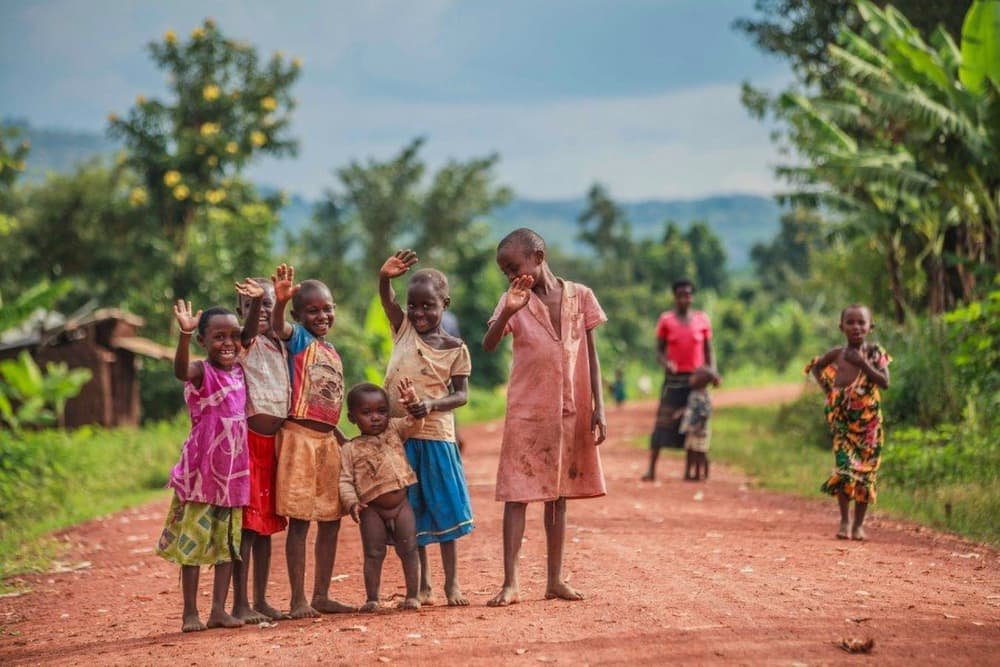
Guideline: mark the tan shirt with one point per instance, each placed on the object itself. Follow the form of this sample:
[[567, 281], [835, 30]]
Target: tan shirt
[[431, 371], [265, 367], [372, 465]]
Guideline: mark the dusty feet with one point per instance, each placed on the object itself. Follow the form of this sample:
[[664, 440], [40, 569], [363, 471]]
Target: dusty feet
[[858, 533], [191, 623], [220, 619], [455, 597], [409, 603], [648, 477], [508, 595], [369, 607], [328, 606], [249, 615], [426, 596], [842, 533], [563, 591], [269, 611], [303, 610]]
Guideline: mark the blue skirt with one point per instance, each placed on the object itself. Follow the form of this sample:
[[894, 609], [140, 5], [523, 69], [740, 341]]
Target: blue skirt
[[440, 498]]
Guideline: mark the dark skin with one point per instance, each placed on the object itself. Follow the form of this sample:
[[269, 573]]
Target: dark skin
[[696, 467], [424, 308], [371, 414], [254, 546], [851, 360], [683, 298], [317, 315], [222, 341], [528, 271]]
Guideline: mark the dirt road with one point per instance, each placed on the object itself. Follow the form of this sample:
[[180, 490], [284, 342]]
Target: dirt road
[[695, 573]]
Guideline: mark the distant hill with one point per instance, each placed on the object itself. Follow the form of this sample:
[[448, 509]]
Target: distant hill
[[740, 220]]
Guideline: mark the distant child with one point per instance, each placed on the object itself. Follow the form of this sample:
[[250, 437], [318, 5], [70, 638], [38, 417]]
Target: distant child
[[555, 410], [618, 388], [265, 368], [694, 423], [211, 482], [374, 477], [851, 376], [306, 484], [439, 365]]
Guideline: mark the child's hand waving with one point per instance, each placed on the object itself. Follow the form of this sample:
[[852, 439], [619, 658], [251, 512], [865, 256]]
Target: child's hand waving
[[249, 288], [398, 264], [284, 283], [185, 320], [519, 292]]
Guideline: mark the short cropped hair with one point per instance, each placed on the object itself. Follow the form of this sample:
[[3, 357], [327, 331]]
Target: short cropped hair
[[529, 240], [434, 278], [207, 315], [682, 282], [852, 306], [308, 288], [359, 390]]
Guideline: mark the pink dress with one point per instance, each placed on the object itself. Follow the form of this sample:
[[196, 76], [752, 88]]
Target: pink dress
[[215, 464], [548, 449]]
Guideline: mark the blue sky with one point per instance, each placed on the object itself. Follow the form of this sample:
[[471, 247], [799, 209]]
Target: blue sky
[[640, 95]]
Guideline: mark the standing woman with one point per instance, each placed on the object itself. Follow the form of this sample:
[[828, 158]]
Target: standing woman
[[684, 343]]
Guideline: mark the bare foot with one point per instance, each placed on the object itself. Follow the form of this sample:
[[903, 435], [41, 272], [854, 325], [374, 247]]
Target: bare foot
[[409, 603], [270, 612], [563, 591], [369, 607], [192, 624], [249, 616], [507, 595], [455, 597], [328, 606], [223, 620], [303, 610], [426, 597], [842, 533], [648, 477], [858, 533]]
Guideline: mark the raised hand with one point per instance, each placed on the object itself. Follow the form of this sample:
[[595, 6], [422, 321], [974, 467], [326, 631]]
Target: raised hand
[[249, 288], [285, 286], [398, 264], [407, 392], [185, 320], [518, 293]]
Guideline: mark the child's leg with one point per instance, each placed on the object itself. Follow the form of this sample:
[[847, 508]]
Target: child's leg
[[704, 463], [219, 618], [452, 590], [261, 574], [845, 507], [373, 539], [189, 584], [690, 466], [326, 555], [241, 576], [858, 531], [425, 592], [555, 539], [650, 475], [513, 533], [405, 537], [295, 555]]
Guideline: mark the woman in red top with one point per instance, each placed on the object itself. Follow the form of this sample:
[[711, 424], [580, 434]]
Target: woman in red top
[[684, 343]]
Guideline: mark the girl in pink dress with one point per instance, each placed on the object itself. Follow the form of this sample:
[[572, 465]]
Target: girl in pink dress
[[555, 410]]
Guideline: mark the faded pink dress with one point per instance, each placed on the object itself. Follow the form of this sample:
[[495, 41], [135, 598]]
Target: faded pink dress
[[548, 449], [215, 462]]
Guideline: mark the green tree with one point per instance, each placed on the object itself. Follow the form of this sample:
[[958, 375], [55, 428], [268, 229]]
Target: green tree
[[788, 258], [603, 225], [708, 254]]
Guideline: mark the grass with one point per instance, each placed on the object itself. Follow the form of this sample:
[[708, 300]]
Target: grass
[[956, 489]]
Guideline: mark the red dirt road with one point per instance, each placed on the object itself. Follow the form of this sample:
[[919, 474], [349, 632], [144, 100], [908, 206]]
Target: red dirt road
[[695, 573]]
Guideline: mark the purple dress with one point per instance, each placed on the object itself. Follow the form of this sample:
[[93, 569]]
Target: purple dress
[[215, 463]]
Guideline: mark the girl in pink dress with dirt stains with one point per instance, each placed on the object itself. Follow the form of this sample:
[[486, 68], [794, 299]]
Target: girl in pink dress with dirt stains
[[555, 409]]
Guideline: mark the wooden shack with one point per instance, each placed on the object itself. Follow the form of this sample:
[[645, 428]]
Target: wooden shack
[[107, 342]]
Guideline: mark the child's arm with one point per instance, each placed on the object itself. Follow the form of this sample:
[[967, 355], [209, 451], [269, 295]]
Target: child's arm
[[710, 362], [458, 397], [348, 493], [284, 289], [251, 322], [184, 369], [517, 298], [879, 377], [408, 397], [394, 267], [823, 362], [598, 422]]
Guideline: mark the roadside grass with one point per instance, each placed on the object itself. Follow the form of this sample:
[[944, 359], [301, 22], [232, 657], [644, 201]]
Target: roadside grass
[[949, 480]]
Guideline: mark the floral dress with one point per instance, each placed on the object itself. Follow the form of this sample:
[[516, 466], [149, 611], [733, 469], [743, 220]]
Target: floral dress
[[854, 415]]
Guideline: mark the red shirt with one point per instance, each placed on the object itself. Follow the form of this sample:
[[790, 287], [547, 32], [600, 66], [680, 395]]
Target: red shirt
[[685, 340]]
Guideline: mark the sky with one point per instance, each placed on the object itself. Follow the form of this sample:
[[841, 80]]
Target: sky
[[640, 95]]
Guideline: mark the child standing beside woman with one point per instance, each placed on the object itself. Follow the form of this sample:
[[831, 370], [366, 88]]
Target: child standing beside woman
[[439, 366], [851, 376]]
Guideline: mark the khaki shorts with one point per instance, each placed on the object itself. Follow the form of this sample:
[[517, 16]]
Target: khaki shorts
[[307, 483]]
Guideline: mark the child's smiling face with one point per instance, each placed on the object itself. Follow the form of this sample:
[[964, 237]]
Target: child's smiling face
[[514, 260], [221, 340], [856, 323], [266, 306], [370, 413], [316, 312], [425, 306]]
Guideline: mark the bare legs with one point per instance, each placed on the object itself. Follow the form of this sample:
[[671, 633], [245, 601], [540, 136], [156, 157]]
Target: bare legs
[[241, 575], [374, 537], [695, 466], [261, 574], [555, 538], [449, 561], [189, 585], [218, 618], [325, 554], [650, 475], [857, 530]]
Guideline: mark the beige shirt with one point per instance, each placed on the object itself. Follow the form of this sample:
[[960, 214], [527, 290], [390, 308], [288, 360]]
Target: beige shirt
[[372, 465], [266, 369], [431, 371]]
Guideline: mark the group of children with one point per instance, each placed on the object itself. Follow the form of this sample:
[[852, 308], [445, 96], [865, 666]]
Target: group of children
[[265, 451]]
